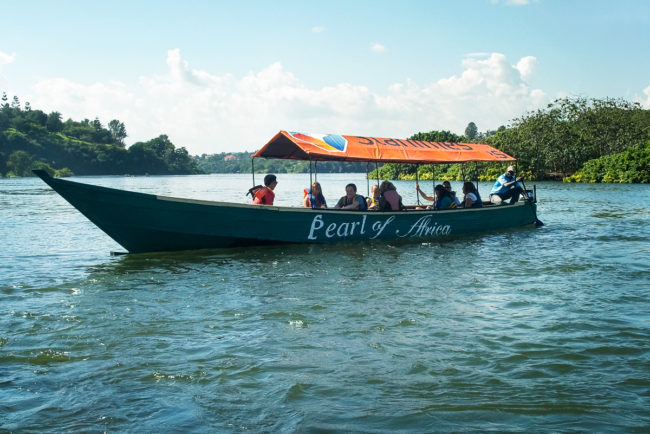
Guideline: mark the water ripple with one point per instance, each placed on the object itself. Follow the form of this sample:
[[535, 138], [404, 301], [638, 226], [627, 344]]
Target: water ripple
[[541, 330]]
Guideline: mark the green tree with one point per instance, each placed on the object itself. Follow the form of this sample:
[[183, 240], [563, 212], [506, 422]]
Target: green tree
[[471, 131], [118, 131], [19, 163], [100, 134], [438, 136], [53, 122]]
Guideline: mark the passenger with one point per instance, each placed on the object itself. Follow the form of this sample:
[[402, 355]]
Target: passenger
[[447, 185], [472, 198], [389, 200], [264, 195], [373, 201], [507, 187], [314, 197], [351, 200], [444, 199]]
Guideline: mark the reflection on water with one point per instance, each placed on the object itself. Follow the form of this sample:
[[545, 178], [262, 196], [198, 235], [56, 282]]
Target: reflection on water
[[523, 330]]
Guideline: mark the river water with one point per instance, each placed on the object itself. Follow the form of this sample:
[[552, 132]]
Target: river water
[[535, 329]]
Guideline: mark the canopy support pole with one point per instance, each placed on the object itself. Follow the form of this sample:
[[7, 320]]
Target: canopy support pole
[[417, 182], [377, 168], [433, 178], [316, 171], [253, 170], [310, 180], [367, 178], [433, 183]]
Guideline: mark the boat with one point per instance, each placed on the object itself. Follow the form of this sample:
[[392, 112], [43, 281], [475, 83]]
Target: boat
[[142, 222]]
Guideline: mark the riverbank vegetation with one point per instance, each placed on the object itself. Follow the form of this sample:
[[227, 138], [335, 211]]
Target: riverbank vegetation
[[631, 166], [553, 143], [33, 139], [575, 139], [240, 162]]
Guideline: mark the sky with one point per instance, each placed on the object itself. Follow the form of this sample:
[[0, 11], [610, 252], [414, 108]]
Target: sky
[[226, 76]]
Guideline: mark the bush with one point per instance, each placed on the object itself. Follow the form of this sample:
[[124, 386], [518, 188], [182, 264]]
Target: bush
[[631, 166]]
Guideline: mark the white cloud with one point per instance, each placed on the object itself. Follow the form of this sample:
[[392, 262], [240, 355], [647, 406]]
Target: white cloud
[[210, 113], [6, 58], [645, 101], [377, 48], [526, 67], [318, 29]]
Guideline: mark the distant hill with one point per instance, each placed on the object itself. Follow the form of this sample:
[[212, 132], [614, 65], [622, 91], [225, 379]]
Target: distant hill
[[31, 138]]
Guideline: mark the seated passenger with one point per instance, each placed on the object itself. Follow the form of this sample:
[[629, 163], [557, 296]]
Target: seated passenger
[[373, 201], [351, 200], [447, 185], [507, 187], [314, 197], [472, 198], [264, 195], [389, 200], [444, 199]]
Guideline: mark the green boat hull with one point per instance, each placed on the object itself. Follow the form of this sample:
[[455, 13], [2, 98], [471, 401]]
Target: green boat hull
[[142, 222]]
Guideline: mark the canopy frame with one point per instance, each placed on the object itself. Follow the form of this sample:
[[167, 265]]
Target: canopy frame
[[299, 146]]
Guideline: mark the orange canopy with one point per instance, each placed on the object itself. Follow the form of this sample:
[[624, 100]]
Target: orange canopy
[[332, 147]]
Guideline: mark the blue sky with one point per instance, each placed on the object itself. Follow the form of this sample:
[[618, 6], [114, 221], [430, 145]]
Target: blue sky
[[220, 76]]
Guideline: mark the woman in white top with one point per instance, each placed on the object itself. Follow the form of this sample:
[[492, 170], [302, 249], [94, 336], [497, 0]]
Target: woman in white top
[[472, 198]]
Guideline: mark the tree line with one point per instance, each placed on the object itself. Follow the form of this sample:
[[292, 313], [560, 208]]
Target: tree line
[[240, 162], [574, 139], [30, 138]]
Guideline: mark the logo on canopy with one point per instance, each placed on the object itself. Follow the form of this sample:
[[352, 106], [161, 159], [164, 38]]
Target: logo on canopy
[[327, 142]]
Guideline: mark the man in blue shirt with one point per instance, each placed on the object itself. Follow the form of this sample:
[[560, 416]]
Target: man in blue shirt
[[506, 187]]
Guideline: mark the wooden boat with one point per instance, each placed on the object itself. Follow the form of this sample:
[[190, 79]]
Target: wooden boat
[[142, 222]]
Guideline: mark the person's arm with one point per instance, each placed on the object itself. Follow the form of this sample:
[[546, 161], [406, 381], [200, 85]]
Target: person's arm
[[429, 198], [515, 182], [305, 202], [468, 202]]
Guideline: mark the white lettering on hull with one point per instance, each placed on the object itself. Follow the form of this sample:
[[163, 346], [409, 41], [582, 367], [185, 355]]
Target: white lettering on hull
[[423, 227]]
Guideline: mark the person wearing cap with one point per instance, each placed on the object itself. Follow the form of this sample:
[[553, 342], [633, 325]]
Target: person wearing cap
[[265, 195], [506, 187]]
